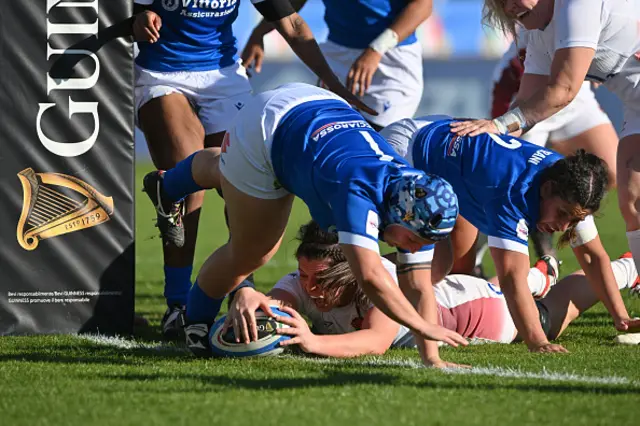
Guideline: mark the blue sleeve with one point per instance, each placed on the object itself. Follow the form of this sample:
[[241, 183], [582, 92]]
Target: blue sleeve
[[507, 227], [356, 219]]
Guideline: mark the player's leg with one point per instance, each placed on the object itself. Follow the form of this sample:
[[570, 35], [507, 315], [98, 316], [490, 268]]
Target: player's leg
[[628, 179], [173, 132], [573, 295], [463, 240]]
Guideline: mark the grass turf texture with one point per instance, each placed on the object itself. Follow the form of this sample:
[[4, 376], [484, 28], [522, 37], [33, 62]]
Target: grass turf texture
[[68, 380]]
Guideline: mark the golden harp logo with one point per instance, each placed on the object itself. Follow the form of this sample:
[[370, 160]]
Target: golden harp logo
[[56, 204]]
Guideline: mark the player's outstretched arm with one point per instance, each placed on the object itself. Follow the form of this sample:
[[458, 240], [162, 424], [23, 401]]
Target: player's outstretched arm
[[513, 268], [597, 267], [416, 283], [381, 289], [376, 336]]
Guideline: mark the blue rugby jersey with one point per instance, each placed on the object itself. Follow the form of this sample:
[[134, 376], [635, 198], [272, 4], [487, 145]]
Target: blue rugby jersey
[[496, 179], [356, 23], [196, 35], [325, 152]]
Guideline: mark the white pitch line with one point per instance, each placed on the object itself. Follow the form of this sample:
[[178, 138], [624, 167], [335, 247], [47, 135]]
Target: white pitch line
[[124, 343], [483, 371]]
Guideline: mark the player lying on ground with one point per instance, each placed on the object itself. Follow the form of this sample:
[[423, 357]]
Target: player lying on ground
[[506, 186], [305, 141], [346, 324]]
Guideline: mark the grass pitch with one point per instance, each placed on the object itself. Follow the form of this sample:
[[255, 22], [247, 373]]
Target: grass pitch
[[70, 380]]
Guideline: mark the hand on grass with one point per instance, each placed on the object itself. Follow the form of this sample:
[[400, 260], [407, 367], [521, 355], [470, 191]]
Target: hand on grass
[[547, 347]]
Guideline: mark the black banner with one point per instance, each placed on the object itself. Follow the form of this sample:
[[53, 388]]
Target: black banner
[[66, 167]]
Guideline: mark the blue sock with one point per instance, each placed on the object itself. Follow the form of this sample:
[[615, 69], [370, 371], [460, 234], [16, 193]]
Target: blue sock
[[177, 282], [200, 307], [178, 182]]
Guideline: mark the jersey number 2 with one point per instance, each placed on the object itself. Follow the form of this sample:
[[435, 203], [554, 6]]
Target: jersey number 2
[[374, 146], [511, 144]]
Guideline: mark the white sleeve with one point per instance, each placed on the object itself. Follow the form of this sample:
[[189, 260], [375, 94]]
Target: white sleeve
[[537, 60], [291, 284], [400, 133], [577, 23]]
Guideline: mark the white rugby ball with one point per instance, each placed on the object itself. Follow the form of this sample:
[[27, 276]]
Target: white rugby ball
[[268, 343]]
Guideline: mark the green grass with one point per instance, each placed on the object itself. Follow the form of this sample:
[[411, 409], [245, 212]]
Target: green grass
[[66, 380]]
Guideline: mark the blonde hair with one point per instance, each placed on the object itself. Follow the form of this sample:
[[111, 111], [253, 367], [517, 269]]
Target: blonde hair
[[494, 16]]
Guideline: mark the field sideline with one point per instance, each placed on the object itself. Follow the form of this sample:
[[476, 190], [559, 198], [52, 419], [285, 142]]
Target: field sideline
[[71, 380]]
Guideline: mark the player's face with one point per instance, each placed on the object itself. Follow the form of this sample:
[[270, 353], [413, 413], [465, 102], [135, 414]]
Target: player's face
[[532, 14], [400, 237], [556, 215], [308, 270]]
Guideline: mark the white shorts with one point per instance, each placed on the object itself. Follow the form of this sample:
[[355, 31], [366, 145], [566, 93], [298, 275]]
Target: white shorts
[[216, 96], [396, 87], [474, 308], [246, 150], [582, 114], [631, 123]]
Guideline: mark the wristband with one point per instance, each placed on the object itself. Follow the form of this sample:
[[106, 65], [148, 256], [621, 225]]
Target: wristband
[[511, 121], [385, 41]]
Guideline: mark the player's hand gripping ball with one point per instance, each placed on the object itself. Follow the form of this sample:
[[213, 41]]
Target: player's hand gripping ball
[[268, 343]]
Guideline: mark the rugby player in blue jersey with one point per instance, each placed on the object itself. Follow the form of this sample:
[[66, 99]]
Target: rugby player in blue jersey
[[372, 47], [505, 186], [300, 140], [188, 86]]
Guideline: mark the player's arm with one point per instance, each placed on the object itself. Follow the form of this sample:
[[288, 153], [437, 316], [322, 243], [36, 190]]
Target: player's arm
[[376, 336], [416, 279], [596, 265], [364, 67], [512, 268], [381, 289], [253, 53], [298, 35]]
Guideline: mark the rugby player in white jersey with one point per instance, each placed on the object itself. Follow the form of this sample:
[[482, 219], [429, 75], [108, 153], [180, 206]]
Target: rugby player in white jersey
[[570, 41], [372, 47], [344, 323]]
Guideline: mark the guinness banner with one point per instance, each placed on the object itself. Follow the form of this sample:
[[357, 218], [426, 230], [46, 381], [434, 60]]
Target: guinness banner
[[66, 167]]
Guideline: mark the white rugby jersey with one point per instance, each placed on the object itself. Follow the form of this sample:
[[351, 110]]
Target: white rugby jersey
[[611, 27]]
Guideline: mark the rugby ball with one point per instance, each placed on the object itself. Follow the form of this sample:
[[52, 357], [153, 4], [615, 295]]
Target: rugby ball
[[268, 343]]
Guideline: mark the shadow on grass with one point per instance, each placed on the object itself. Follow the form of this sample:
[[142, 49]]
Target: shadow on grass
[[333, 377], [330, 378]]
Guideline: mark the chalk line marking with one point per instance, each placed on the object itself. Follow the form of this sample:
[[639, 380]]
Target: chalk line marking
[[513, 373]]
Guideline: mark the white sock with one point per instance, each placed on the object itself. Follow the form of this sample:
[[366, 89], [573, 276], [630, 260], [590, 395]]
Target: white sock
[[537, 281], [625, 272], [634, 245]]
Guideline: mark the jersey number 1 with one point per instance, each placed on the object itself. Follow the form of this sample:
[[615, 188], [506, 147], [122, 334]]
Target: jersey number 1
[[374, 146], [511, 144]]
